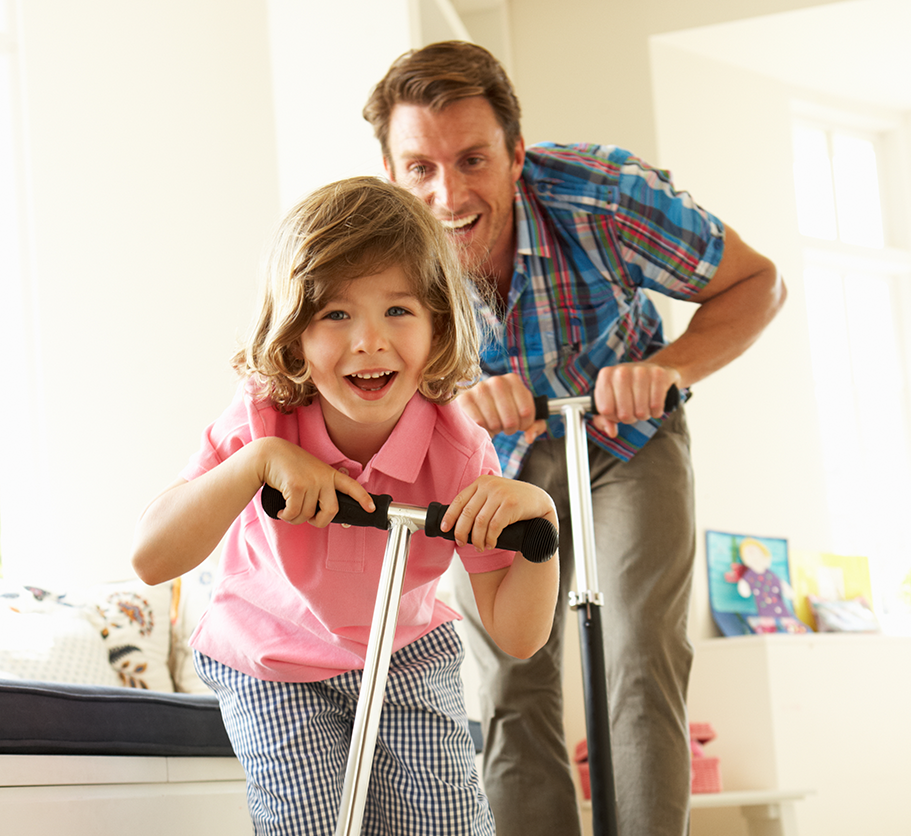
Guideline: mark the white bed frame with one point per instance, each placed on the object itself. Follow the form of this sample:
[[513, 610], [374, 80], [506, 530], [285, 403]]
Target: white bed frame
[[87, 795]]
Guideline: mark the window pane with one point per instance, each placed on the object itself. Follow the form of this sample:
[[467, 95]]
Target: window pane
[[860, 219], [813, 184], [838, 421]]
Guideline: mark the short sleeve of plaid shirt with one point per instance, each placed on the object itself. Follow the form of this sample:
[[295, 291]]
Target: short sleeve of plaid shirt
[[596, 228]]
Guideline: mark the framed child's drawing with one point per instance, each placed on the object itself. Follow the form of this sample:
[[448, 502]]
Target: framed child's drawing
[[749, 584]]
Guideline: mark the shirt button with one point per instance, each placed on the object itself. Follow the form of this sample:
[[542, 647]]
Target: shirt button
[[343, 471]]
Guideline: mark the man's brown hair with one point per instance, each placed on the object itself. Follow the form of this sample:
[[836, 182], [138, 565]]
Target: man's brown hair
[[437, 76]]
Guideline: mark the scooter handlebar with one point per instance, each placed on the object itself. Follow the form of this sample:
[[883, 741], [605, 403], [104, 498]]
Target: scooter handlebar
[[536, 539], [543, 402]]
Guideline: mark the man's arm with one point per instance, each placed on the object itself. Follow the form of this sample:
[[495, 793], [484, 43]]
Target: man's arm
[[739, 301]]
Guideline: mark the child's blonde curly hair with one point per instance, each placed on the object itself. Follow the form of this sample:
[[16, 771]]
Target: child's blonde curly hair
[[348, 230]]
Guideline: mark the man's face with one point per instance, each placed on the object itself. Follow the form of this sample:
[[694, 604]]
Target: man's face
[[456, 160]]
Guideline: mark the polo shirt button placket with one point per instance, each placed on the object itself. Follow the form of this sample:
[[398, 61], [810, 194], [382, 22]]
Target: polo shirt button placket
[[344, 472]]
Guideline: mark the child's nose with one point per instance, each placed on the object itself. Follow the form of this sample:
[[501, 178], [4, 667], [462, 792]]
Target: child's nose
[[370, 337]]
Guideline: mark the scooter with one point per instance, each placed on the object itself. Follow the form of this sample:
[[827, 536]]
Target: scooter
[[588, 600], [535, 538]]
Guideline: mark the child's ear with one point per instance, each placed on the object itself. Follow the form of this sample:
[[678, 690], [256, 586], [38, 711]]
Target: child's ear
[[295, 348], [295, 353]]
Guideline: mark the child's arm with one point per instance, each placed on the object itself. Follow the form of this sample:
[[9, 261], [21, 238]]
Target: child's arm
[[184, 523], [517, 604]]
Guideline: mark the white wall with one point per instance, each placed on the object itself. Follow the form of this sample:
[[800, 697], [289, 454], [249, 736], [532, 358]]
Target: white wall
[[153, 173], [756, 455], [323, 70], [582, 71], [151, 181]]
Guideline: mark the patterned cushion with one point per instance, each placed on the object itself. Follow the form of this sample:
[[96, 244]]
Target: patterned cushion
[[106, 634]]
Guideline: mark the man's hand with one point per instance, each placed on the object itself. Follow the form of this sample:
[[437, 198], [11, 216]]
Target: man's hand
[[503, 404], [631, 392]]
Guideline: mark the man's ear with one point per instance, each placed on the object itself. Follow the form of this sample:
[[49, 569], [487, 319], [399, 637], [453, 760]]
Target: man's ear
[[390, 172], [518, 158]]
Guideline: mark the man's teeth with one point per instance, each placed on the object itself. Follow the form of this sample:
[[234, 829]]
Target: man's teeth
[[459, 223]]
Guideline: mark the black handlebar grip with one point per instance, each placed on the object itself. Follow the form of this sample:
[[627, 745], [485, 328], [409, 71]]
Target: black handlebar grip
[[349, 510], [537, 538], [542, 410], [272, 500]]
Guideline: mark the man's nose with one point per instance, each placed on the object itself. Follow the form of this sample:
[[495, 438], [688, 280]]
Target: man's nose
[[449, 190]]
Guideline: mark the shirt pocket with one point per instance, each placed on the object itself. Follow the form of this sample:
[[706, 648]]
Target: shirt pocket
[[355, 549], [347, 548], [563, 340]]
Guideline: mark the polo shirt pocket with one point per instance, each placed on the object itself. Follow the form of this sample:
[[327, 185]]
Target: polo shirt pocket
[[355, 548], [347, 548]]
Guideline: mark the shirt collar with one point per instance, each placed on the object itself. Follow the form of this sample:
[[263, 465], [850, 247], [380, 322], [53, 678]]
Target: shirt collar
[[401, 457], [533, 236]]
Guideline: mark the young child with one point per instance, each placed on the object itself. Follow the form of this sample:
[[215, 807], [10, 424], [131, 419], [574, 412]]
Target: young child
[[365, 335]]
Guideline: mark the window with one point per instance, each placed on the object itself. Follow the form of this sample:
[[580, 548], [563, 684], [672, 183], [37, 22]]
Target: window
[[837, 185], [858, 295]]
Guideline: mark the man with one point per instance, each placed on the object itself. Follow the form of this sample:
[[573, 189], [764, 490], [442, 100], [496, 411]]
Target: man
[[562, 242]]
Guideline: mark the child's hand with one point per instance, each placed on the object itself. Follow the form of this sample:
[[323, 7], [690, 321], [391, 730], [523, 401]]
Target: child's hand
[[306, 482], [491, 503]]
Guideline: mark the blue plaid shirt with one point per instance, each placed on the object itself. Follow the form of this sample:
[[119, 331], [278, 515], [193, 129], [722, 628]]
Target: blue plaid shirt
[[596, 226]]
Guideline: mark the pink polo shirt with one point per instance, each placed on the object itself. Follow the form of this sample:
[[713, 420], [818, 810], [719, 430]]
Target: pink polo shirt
[[293, 603]]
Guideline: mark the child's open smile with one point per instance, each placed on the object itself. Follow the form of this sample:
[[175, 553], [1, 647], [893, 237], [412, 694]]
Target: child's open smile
[[367, 350]]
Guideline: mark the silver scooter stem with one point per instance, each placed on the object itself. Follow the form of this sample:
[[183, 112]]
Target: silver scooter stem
[[403, 522], [578, 476]]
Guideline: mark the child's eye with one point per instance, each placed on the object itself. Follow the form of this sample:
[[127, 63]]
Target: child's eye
[[336, 316], [397, 310]]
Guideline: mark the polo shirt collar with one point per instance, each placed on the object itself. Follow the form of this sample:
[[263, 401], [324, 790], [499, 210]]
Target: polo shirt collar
[[401, 457]]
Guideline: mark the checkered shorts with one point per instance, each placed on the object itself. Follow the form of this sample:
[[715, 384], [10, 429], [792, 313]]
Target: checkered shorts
[[293, 739]]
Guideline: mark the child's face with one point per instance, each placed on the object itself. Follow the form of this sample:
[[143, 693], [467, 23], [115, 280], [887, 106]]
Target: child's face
[[367, 350]]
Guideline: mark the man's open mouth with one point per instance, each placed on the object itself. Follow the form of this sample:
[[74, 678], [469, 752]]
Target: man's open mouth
[[460, 225]]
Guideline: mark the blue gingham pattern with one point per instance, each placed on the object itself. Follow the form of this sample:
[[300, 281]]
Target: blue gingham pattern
[[596, 227], [293, 739]]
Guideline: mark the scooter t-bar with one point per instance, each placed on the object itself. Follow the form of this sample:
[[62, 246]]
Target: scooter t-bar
[[536, 539], [588, 600]]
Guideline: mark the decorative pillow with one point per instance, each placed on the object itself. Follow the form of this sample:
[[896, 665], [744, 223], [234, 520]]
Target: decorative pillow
[[192, 593], [42, 638], [833, 616], [133, 621]]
